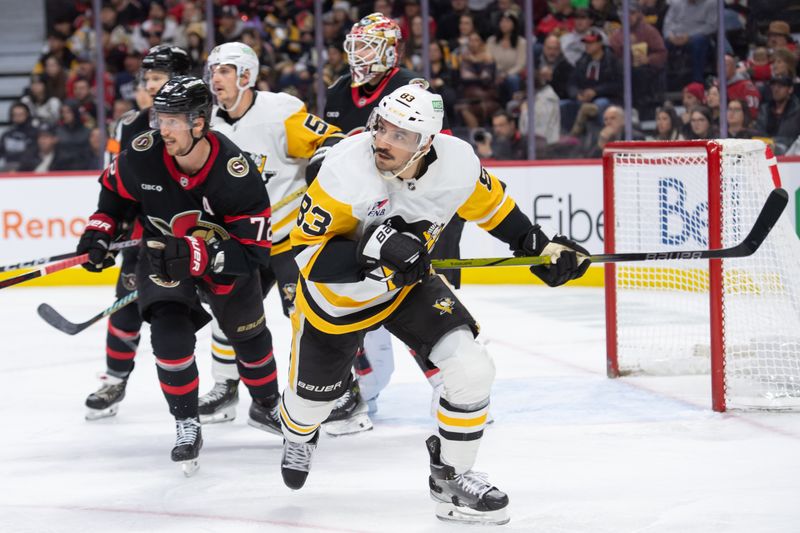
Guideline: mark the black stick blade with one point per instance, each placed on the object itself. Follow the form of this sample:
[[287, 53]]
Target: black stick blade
[[769, 215], [52, 317]]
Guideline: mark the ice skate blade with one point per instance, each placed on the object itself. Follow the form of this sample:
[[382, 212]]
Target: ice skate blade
[[349, 426], [190, 467], [264, 427], [97, 414], [448, 512], [227, 414]]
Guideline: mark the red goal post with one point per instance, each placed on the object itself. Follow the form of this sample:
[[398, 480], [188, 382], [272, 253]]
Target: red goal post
[[738, 319]]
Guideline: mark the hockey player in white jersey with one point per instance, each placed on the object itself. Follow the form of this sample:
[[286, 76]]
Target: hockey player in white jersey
[[280, 136], [363, 236]]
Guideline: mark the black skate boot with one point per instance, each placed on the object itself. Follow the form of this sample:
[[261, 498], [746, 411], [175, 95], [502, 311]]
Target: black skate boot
[[296, 461], [219, 404], [349, 415], [467, 497], [265, 415], [188, 442], [105, 402]]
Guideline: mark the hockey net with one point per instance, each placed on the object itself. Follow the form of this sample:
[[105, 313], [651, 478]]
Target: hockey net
[[736, 318]]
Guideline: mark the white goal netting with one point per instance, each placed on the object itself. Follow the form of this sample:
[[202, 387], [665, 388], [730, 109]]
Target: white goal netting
[[661, 203]]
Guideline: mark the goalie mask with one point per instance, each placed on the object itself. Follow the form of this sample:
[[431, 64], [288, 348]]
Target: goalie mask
[[372, 48], [416, 115], [240, 56]]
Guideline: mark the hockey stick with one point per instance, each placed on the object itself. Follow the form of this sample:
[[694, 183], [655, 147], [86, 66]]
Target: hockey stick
[[61, 265], [45, 260], [55, 319], [769, 215]]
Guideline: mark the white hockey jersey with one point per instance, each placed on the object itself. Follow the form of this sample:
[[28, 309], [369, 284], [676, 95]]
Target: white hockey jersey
[[280, 135], [349, 196]]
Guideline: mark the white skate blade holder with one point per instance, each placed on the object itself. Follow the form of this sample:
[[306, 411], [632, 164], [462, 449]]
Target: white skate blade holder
[[449, 512], [349, 426], [97, 414], [190, 467], [226, 414]]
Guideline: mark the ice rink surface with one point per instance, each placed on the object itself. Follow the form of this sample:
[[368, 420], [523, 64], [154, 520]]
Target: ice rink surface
[[575, 451]]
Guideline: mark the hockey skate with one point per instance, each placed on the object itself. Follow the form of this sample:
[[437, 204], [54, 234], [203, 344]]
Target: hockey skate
[[188, 442], [466, 498], [265, 415], [349, 415], [105, 402], [296, 461], [219, 404]]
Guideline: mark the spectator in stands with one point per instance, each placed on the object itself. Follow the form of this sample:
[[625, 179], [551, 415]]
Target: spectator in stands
[[604, 14], [119, 108], [502, 7], [42, 105], [190, 15], [779, 36], [571, 44], [42, 159], [96, 151], [229, 27], [739, 120], [382, 6], [779, 117], [57, 48], [466, 27], [55, 78], [712, 100], [443, 78], [18, 141], [740, 86], [554, 68], [693, 95], [688, 28], [412, 54], [86, 70], [506, 142], [87, 110], [560, 19], [125, 81], [668, 125], [450, 21], [547, 117], [597, 79], [648, 59], [700, 123], [476, 75], [342, 20], [412, 9], [507, 47], [336, 66], [613, 130], [73, 139], [654, 12]]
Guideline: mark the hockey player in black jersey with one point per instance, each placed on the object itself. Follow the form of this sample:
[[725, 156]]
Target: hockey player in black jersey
[[122, 339], [373, 48], [207, 230]]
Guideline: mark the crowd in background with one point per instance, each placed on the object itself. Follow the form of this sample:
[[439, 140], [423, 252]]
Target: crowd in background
[[477, 63]]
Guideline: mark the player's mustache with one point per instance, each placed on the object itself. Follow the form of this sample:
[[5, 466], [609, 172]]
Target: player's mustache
[[383, 152]]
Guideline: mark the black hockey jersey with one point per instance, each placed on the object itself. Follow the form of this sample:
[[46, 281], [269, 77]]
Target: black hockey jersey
[[225, 200], [129, 126], [350, 107]]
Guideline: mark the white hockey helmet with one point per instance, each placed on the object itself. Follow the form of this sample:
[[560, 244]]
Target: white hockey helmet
[[411, 108], [240, 56]]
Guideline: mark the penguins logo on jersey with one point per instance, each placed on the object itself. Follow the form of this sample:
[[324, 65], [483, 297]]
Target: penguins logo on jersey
[[190, 224], [289, 290], [445, 305], [143, 142], [238, 166]]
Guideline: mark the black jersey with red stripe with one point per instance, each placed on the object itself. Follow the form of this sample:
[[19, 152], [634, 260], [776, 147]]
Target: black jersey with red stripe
[[349, 107], [225, 200]]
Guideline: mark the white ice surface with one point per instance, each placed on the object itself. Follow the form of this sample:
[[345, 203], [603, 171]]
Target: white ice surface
[[575, 451]]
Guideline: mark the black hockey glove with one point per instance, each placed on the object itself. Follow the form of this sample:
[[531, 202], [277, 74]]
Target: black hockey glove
[[177, 258], [384, 246], [96, 240], [564, 253]]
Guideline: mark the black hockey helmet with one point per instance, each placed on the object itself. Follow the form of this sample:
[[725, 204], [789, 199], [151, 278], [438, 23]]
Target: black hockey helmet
[[184, 94], [170, 59]]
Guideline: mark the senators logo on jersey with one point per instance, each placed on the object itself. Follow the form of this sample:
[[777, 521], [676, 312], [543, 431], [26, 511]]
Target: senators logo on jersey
[[238, 166], [190, 224]]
